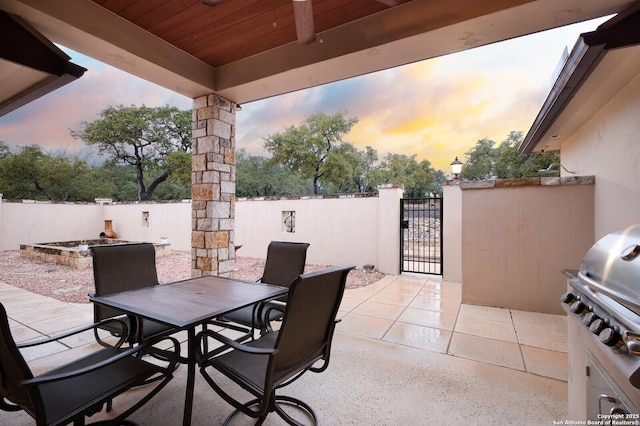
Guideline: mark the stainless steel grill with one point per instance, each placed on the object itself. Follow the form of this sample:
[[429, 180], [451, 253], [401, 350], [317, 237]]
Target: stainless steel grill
[[603, 304]]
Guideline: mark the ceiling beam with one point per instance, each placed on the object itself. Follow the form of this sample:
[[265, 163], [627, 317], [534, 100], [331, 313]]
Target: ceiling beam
[[390, 3], [211, 3], [303, 15]]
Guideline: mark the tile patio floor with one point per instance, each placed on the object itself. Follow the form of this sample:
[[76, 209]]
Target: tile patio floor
[[406, 352]]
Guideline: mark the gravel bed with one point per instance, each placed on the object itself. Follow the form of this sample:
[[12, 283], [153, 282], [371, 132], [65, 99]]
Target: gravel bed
[[73, 285]]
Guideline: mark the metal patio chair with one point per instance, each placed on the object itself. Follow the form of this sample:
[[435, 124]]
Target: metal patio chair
[[284, 262], [120, 268], [277, 358], [81, 388]]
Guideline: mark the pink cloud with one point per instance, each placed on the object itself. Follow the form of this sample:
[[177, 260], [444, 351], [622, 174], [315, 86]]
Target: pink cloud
[[48, 121]]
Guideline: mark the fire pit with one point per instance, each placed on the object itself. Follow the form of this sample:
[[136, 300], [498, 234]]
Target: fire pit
[[70, 253]]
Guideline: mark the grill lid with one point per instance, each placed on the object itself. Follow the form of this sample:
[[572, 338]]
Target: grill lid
[[612, 266]]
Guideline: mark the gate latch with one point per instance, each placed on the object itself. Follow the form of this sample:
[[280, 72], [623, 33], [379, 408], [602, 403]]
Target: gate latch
[[404, 224]]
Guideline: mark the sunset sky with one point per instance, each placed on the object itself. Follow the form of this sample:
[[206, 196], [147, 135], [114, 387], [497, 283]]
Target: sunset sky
[[436, 109]]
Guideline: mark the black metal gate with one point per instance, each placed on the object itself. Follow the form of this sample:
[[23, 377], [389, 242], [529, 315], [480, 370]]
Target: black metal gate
[[421, 235]]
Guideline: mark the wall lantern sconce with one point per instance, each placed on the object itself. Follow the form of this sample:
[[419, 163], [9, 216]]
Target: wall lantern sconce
[[456, 168]]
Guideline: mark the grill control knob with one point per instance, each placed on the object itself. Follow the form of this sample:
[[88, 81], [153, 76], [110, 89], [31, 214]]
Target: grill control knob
[[633, 342], [568, 297], [610, 337], [577, 307], [597, 326], [589, 318], [634, 347]]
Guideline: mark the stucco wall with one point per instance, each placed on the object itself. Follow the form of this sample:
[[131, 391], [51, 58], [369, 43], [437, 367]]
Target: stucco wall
[[22, 223], [516, 241], [360, 230], [340, 230], [172, 220], [452, 230], [608, 146]]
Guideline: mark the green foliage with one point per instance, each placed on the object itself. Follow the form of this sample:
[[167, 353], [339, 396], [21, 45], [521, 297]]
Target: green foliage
[[419, 178], [31, 173], [145, 138], [180, 164], [256, 176], [309, 149], [350, 169], [5, 151], [311, 158], [504, 162], [480, 161]]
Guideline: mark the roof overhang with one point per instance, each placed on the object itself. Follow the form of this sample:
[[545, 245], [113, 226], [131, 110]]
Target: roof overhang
[[601, 63], [32, 66], [413, 31]]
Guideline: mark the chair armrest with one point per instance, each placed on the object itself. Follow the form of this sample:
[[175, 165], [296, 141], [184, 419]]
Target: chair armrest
[[120, 354], [267, 314], [228, 342], [125, 332]]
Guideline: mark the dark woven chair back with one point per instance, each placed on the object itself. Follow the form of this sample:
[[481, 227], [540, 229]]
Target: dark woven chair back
[[285, 261], [122, 267], [13, 368], [309, 321]]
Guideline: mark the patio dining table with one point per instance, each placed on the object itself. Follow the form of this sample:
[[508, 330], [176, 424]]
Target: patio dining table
[[187, 304]]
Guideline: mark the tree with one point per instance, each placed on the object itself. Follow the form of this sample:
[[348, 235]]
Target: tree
[[256, 176], [479, 161], [508, 163], [141, 137], [349, 169], [419, 178], [31, 173], [5, 151], [505, 162], [310, 148]]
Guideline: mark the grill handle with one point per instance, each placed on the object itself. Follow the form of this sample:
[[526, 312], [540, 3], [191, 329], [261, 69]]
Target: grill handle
[[610, 399], [619, 297], [631, 252]]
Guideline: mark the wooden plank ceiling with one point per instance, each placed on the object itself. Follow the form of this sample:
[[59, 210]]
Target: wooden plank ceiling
[[247, 50], [234, 29]]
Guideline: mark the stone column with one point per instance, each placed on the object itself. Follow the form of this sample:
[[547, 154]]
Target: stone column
[[213, 176]]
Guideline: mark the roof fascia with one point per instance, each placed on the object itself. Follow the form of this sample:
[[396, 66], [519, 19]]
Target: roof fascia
[[620, 31], [26, 47]]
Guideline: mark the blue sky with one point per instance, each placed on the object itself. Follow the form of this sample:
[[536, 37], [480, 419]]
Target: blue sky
[[436, 109]]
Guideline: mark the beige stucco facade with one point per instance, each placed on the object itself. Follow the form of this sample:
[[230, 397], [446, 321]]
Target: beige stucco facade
[[452, 229], [608, 146], [517, 240]]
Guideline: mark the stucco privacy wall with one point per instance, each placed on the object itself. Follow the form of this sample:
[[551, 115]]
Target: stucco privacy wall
[[360, 230], [608, 147], [28, 222], [151, 221], [340, 230], [516, 240]]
